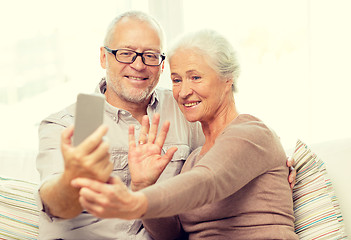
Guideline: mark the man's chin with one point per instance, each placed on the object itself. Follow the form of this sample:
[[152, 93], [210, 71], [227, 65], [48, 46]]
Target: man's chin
[[139, 98]]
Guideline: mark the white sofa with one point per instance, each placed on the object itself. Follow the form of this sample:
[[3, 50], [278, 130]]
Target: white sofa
[[19, 216]]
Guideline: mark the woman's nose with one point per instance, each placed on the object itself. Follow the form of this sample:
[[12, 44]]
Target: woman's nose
[[185, 90]]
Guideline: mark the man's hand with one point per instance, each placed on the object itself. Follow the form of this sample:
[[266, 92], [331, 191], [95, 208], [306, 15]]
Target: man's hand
[[292, 172], [89, 159], [145, 161]]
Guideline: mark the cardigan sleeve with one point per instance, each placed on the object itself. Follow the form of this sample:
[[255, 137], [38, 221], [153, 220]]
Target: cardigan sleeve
[[245, 150]]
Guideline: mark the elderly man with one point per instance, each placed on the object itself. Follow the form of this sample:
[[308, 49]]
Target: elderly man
[[129, 89]]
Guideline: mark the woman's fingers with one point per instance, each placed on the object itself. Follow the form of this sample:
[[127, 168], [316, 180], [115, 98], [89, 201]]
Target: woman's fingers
[[154, 128], [160, 140], [112, 199], [169, 155], [292, 171], [91, 195], [290, 161], [131, 138], [148, 134], [144, 131], [86, 182]]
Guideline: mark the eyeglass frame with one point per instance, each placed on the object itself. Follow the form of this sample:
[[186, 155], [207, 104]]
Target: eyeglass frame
[[114, 52]]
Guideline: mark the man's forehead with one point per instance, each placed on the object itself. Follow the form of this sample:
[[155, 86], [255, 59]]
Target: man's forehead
[[139, 47], [134, 24], [136, 34]]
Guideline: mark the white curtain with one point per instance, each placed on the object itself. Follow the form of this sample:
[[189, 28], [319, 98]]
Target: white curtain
[[295, 58]]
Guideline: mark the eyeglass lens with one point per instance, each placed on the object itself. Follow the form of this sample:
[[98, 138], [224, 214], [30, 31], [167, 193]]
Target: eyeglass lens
[[149, 58]]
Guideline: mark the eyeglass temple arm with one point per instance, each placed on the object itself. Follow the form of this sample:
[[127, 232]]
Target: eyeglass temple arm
[[108, 49]]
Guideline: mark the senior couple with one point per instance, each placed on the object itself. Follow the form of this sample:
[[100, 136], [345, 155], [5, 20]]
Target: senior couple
[[233, 181]]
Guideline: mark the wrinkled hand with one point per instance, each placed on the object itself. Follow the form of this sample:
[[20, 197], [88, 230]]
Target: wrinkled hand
[[110, 200], [290, 162], [88, 159], [145, 161]]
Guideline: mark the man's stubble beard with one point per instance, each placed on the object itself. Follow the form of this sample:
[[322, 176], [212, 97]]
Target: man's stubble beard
[[131, 95]]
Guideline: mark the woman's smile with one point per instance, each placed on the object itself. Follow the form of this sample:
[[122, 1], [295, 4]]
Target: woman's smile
[[191, 104]]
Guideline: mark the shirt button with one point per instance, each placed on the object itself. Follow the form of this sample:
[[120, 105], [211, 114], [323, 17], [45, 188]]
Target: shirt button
[[123, 112], [137, 127], [114, 118]]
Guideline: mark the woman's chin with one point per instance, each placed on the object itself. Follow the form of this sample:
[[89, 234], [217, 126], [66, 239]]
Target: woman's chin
[[191, 118]]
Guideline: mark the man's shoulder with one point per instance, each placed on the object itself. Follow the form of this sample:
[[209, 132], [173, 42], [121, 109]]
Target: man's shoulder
[[63, 117]]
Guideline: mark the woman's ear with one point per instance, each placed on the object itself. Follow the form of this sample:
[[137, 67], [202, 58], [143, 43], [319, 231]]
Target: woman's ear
[[229, 84]]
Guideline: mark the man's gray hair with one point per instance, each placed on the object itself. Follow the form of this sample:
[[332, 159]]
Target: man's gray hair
[[221, 54], [141, 16]]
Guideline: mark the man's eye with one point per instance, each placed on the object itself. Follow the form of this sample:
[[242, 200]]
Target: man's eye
[[151, 55], [125, 54]]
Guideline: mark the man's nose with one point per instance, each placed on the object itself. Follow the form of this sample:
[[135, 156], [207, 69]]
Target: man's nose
[[138, 64]]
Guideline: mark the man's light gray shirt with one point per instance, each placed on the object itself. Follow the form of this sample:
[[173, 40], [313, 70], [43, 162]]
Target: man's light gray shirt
[[182, 134]]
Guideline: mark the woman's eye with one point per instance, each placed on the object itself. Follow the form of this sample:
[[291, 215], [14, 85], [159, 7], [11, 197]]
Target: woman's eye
[[195, 77], [176, 80]]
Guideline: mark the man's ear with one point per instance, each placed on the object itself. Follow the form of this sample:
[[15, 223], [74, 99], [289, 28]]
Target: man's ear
[[103, 57], [163, 66]]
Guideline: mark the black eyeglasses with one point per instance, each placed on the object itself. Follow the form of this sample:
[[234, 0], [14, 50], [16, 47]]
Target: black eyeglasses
[[129, 56]]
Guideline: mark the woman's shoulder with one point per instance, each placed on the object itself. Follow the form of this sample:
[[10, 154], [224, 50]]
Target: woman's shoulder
[[247, 122], [248, 131], [251, 128], [246, 118]]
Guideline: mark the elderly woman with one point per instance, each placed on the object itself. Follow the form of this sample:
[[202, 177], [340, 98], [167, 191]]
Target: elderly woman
[[233, 187]]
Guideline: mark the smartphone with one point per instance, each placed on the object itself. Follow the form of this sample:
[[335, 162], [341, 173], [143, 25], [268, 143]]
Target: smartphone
[[89, 115]]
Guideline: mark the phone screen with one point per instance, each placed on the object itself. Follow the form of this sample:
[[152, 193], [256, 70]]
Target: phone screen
[[89, 115]]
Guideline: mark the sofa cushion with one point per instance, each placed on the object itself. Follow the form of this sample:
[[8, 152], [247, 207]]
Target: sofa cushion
[[316, 207], [19, 216]]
